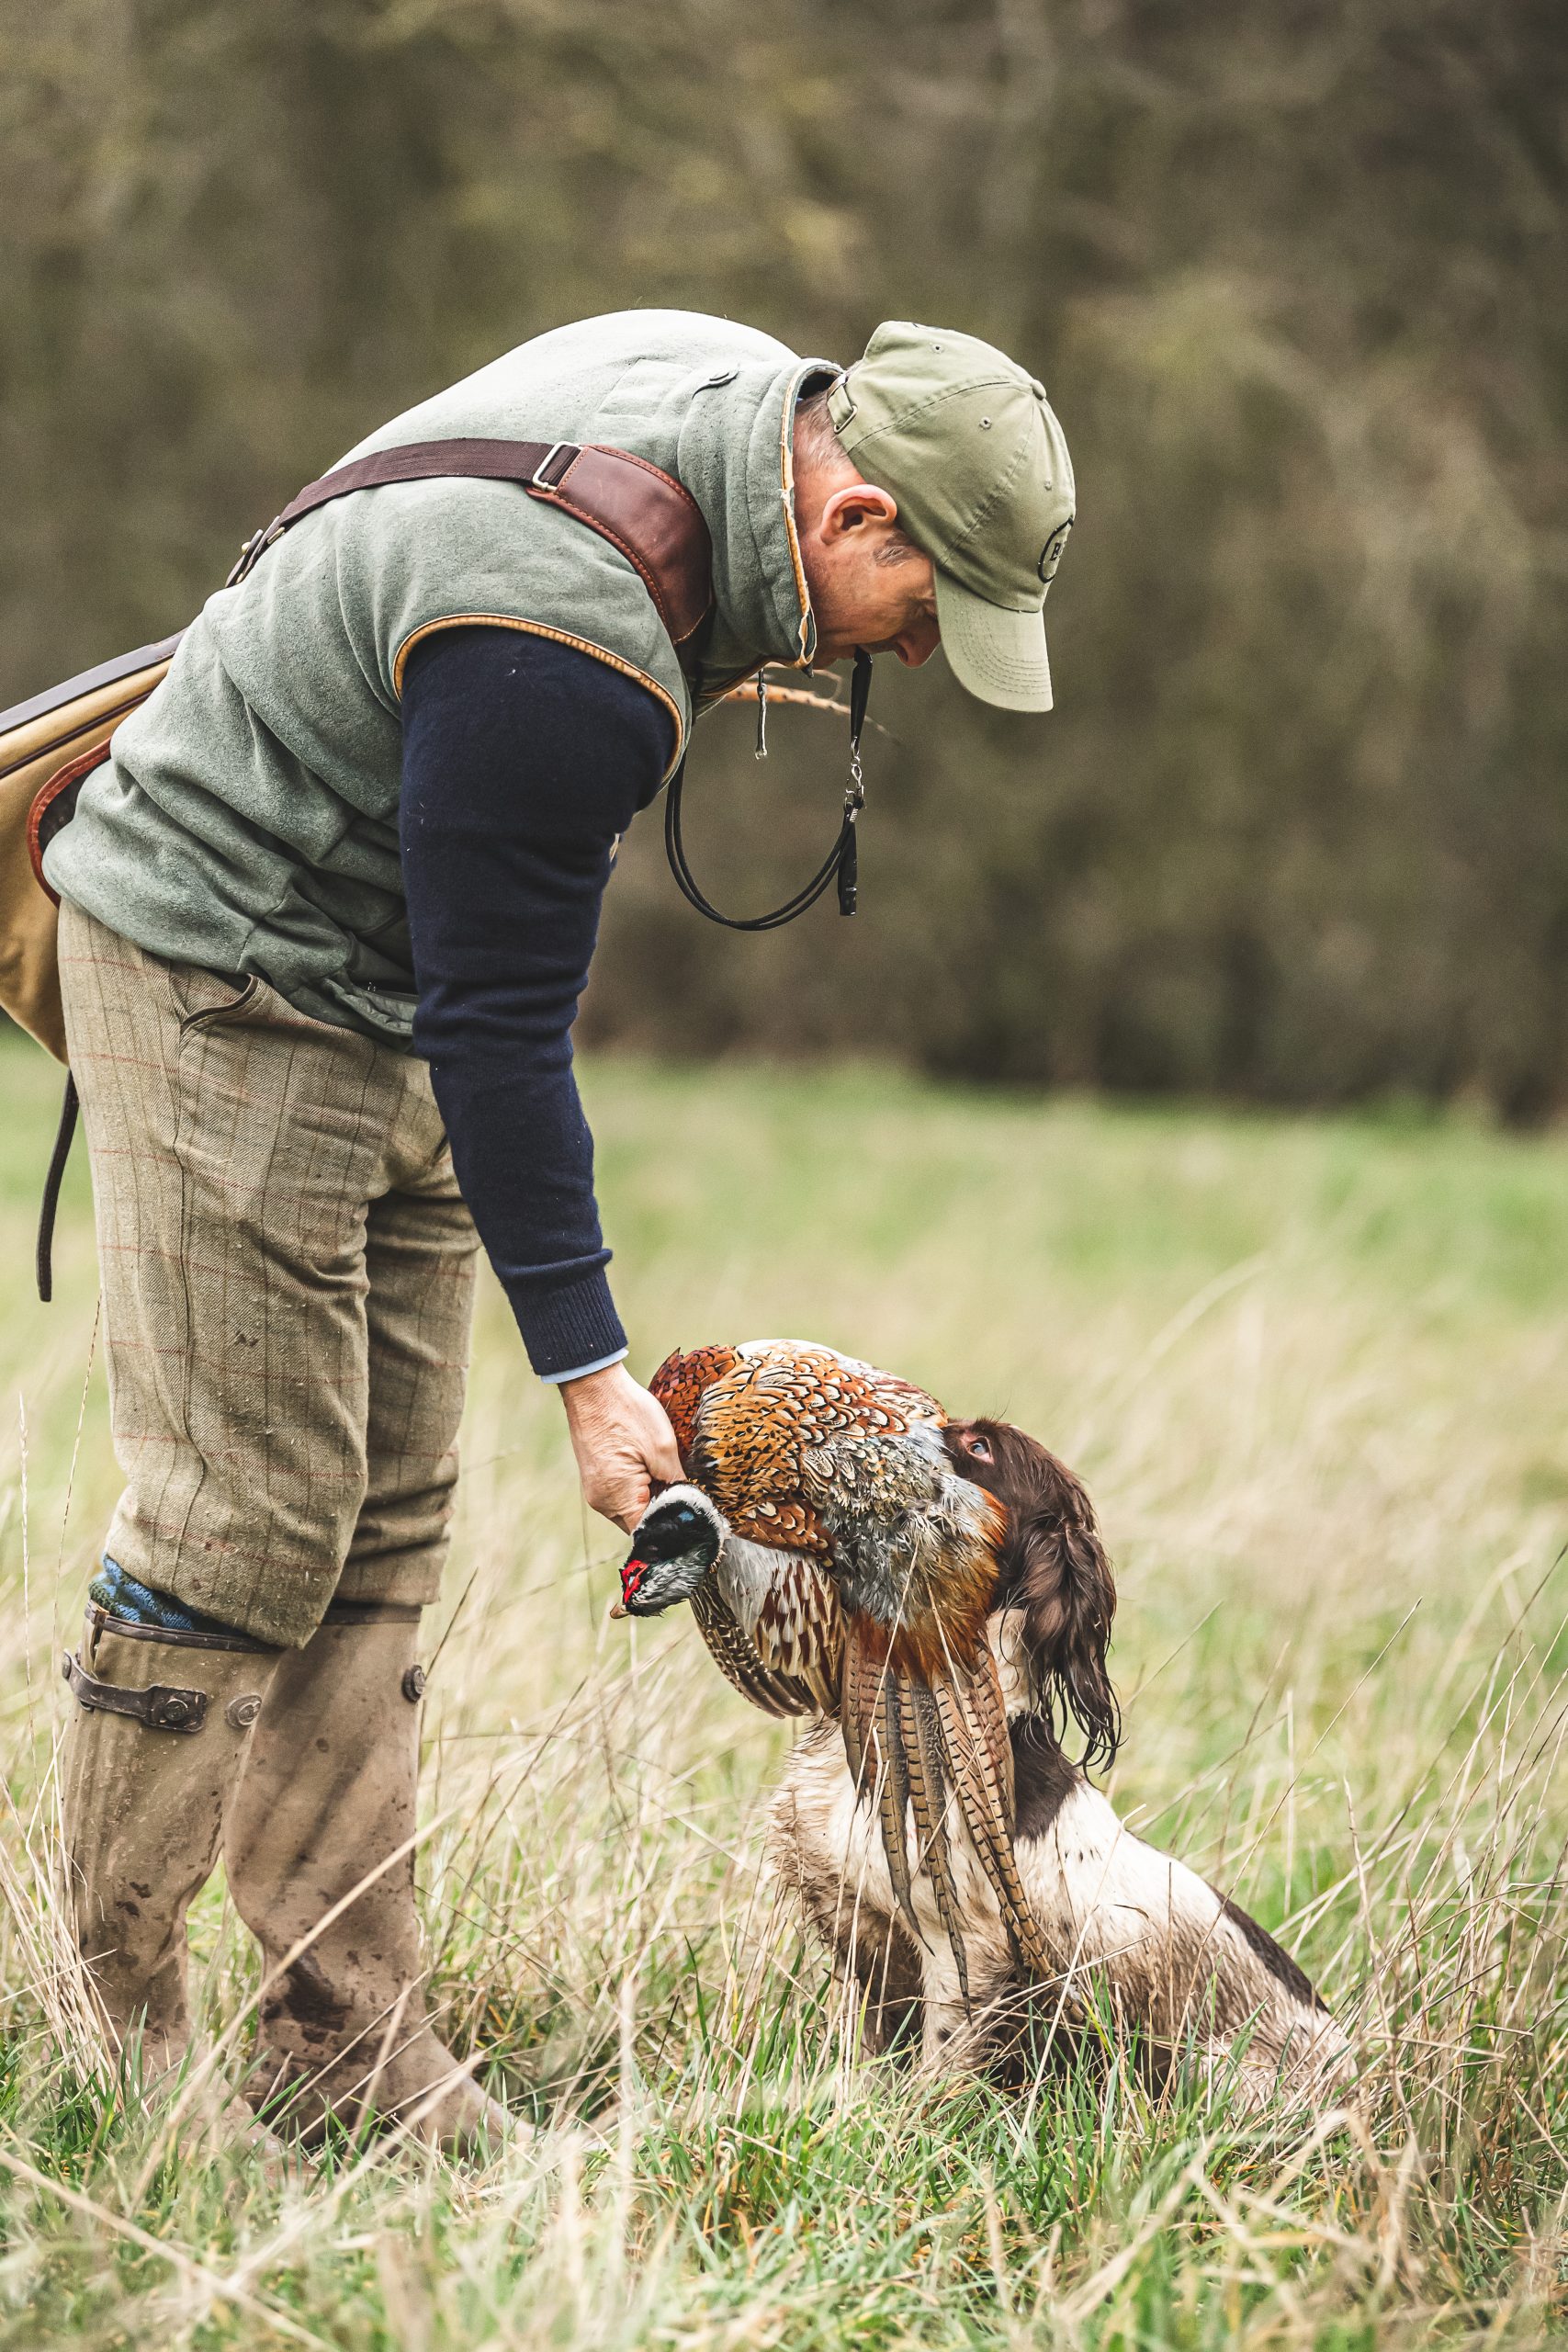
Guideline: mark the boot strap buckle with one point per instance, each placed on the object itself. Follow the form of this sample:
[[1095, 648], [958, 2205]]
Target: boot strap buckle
[[162, 1706]]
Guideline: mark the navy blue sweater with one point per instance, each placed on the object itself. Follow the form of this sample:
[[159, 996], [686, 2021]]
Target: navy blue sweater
[[522, 762]]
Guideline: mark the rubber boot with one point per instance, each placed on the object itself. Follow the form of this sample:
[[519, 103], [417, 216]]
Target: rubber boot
[[327, 1799], [151, 1756]]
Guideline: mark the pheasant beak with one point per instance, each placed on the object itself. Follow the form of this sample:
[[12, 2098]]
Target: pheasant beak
[[631, 1578]]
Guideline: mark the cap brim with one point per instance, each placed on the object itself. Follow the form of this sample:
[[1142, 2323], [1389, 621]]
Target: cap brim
[[997, 654]]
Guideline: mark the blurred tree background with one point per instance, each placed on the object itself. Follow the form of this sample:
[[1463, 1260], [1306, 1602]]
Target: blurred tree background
[[1295, 276]]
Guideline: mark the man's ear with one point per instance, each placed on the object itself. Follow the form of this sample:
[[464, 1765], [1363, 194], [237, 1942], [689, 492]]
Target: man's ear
[[857, 503]]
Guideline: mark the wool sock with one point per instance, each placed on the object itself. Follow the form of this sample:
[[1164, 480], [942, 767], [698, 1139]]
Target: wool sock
[[138, 1604]]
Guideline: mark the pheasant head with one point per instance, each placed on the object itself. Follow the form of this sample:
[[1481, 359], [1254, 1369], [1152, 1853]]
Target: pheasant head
[[675, 1542]]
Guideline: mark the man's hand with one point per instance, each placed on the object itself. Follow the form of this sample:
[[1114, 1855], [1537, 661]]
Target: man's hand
[[623, 1441]]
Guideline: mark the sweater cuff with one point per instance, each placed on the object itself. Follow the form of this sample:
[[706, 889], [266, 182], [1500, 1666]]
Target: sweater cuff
[[582, 1371], [567, 1327]]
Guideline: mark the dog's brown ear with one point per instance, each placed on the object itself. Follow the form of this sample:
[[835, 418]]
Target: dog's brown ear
[[1057, 1571], [1070, 1599], [1052, 1566]]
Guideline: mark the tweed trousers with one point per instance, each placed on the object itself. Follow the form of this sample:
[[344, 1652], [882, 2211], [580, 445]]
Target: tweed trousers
[[288, 1273]]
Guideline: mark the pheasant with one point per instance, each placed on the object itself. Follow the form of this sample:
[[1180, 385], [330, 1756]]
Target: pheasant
[[838, 1563]]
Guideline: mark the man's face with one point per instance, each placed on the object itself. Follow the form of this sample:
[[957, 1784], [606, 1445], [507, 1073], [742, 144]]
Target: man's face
[[869, 587]]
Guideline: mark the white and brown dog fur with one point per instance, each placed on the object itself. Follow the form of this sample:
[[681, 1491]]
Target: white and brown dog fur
[[1136, 1935]]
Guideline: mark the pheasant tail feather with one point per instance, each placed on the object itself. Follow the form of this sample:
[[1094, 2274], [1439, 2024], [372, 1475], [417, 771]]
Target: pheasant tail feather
[[893, 1798], [985, 1817], [928, 1794], [873, 1745]]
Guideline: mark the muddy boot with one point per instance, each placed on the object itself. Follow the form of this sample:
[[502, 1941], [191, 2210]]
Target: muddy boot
[[151, 1756], [328, 1797]]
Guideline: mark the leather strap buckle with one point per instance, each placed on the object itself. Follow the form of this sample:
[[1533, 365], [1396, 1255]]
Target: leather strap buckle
[[162, 1706], [256, 546], [541, 478]]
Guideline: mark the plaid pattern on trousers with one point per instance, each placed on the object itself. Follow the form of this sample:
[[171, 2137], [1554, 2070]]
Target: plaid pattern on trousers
[[288, 1272]]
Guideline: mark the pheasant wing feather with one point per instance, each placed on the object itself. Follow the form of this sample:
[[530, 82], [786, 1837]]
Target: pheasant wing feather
[[738, 1659], [780, 1402]]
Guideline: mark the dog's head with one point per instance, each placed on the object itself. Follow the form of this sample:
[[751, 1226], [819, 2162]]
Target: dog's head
[[1052, 1566]]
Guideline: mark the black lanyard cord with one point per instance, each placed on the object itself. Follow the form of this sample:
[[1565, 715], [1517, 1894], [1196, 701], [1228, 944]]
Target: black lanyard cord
[[841, 862], [44, 1259]]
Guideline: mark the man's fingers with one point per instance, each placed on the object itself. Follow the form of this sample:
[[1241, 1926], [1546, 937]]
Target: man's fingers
[[665, 1464], [628, 1513], [660, 1451], [620, 1494]]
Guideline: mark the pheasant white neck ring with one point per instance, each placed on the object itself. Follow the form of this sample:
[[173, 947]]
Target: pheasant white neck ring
[[674, 1544]]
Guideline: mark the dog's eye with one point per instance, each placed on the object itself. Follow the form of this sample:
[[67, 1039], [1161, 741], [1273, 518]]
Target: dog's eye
[[980, 1447]]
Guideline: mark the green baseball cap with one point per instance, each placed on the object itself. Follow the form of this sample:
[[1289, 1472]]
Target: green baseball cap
[[969, 446]]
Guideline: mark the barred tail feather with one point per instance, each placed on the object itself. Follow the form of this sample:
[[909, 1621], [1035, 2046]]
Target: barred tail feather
[[990, 1831], [893, 1798], [877, 1764], [928, 1791], [983, 1700]]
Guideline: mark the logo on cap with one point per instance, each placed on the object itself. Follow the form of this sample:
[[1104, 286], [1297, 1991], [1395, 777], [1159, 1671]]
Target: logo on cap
[[1051, 553]]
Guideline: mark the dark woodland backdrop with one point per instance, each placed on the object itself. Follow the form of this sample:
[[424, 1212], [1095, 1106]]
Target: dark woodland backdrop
[[1295, 276]]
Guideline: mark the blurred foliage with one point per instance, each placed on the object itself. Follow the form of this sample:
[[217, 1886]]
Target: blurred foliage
[[1299, 827]]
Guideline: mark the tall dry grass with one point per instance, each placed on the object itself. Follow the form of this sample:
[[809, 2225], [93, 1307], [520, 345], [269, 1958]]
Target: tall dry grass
[[1314, 1375]]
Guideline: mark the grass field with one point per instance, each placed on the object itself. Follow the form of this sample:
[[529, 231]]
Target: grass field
[[1315, 1376]]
